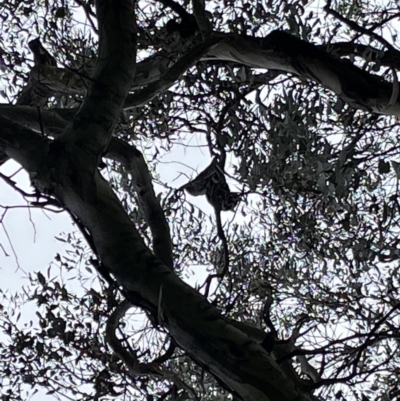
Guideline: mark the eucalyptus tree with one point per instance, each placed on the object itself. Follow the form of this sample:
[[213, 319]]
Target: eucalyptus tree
[[296, 108]]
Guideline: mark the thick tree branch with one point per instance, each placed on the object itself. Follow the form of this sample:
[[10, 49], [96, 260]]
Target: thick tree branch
[[111, 79], [22, 145], [172, 75], [154, 215], [277, 51], [389, 58], [46, 122], [284, 52], [203, 23], [69, 172], [196, 326], [54, 121]]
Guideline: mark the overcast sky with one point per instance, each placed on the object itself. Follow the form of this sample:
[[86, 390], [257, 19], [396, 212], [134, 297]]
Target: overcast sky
[[26, 234]]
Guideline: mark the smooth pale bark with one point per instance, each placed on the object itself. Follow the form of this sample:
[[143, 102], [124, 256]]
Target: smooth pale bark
[[194, 324], [220, 347], [285, 52], [66, 167], [277, 51]]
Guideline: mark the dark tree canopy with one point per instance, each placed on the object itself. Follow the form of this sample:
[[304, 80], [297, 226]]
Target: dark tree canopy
[[294, 108]]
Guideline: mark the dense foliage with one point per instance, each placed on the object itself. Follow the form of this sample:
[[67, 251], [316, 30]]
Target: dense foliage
[[313, 244]]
